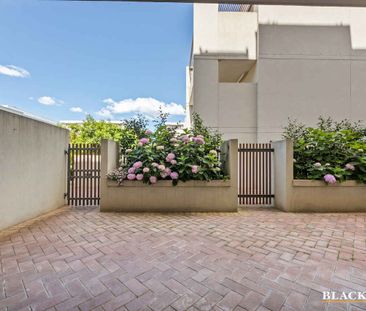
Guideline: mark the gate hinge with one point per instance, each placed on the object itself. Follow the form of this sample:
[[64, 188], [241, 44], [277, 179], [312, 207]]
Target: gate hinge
[[66, 151], [65, 195]]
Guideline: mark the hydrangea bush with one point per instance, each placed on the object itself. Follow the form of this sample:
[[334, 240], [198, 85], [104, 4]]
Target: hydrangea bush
[[332, 151], [192, 154]]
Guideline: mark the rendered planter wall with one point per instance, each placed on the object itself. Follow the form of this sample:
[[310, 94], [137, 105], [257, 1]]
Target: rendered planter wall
[[294, 195], [191, 196], [315, 196]]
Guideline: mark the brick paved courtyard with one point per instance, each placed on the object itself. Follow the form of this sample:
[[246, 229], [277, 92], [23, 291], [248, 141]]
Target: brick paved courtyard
[[81, 259]]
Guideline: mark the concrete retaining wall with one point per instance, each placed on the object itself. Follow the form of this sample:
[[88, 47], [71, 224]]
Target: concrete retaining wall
[[293, 195], [32, 167], [191, 196]]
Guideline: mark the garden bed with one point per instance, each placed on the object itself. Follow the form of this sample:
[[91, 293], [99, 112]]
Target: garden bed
[[163, 196], [297, 195]]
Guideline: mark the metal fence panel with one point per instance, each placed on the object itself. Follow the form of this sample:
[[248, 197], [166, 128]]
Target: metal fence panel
[[255, 174], [83, 175]]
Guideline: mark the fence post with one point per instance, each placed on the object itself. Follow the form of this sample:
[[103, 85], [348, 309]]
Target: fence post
[[109, 161], [109, 156], [233, 164], [283, 171]]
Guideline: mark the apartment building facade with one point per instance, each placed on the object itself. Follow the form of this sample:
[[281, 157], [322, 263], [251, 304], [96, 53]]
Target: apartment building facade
[[254, 66]]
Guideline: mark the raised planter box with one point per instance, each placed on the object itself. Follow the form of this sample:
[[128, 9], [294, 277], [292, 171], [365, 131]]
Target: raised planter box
[[297, 195], [190, 196], [316, 196]]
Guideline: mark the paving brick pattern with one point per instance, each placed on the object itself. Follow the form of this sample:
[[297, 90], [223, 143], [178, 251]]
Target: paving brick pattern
[[258, 259]]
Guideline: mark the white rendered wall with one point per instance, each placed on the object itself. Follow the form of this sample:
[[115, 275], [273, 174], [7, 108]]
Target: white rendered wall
[[305, 72], [224, 32], [228, 107], [32, 167], [318, 16], [311, 62]]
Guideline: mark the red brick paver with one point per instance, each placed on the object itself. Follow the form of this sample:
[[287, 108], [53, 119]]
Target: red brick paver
[[258, 259]]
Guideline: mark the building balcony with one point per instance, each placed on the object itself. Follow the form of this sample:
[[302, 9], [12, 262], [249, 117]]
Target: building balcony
[[225, 31]]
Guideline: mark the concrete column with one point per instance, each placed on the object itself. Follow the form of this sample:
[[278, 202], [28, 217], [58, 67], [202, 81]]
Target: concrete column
[[109, 154], [229, 153], [283, 173], [233, 163]]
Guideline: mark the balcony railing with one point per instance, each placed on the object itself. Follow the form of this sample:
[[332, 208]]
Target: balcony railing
[[227, 7]]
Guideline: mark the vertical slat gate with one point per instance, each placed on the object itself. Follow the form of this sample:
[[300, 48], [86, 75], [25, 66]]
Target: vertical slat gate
[[255, 174], [83, 176]]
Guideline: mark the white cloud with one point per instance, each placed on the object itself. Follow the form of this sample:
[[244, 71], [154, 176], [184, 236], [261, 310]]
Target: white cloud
[[14, 71], [49, 101], [76, 109], [105, 113], [147, 106]]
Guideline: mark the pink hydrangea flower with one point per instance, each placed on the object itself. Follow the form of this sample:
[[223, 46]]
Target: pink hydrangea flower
[[194, 169], [170, 157], [317, 165], [198, 140], [131, 170], [131, 176], [163, 175], [148, 132], [144, 140], [140, 144], [200, 136], [330, 179], [154, 164], [350, 167], [174, 175], [173, 162], [185, 138], [167, 171], [146, 170], [161, 167], [153, 179], [137, 164], [139, 176]]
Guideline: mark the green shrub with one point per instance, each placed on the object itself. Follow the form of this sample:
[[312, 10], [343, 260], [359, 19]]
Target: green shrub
[[335, 148], [132, 130], [192, 154]]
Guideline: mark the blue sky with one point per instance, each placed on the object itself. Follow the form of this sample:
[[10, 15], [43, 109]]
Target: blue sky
[[109, 59]]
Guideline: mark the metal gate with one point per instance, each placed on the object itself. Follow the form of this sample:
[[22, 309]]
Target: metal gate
[[83, 174], [255, 174]]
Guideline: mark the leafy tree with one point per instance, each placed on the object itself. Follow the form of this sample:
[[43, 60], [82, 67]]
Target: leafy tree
[[92, 131]]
